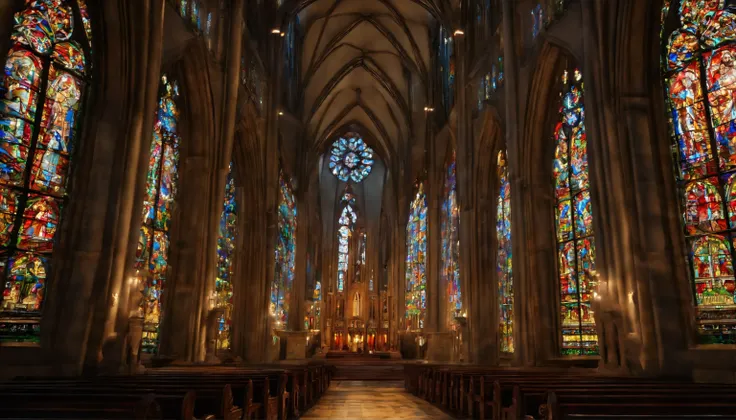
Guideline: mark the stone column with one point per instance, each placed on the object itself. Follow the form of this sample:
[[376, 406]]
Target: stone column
[[223, 159], [141, 104], [272, 166]]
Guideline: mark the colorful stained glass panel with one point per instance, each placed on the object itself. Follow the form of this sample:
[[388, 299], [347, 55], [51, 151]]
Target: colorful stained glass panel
[[574, 223], [504, 267], [44, 41], [450, 236]]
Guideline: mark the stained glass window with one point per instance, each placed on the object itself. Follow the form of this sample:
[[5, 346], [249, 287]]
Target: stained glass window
[[446, 60], [351, 158], [41, 94], [504, 268], [158, 206], [346, 223], [543, 14], [699, 63], [537, 20], [285, 255], [225, 257], [183, 7], [291, 62], [574, 222], [317, 298], [360, 260], [416, 255], [450, 233]]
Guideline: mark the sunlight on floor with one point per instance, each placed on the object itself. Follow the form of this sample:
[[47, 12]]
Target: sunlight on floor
[[372, 400]]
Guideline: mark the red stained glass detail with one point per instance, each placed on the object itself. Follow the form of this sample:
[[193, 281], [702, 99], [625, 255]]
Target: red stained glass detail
[[40, 220], [20, 84], [703, 207]]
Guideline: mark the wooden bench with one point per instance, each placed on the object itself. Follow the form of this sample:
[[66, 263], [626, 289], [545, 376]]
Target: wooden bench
[[555, 394]]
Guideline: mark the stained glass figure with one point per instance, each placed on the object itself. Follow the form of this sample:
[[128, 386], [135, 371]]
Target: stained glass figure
[[578, 279], [346, 222], [699, 72], [225, 258], [41, 93], [504, 268], [416, 256], [158, 205], [285, 256], [351, 158], [450, 235]]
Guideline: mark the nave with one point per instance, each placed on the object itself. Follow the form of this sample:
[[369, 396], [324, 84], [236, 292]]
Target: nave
[[217, 207], [372, 400]]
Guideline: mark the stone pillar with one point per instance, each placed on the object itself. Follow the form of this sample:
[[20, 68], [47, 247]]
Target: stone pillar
[[226, 137], [185, 277], [113, 307]]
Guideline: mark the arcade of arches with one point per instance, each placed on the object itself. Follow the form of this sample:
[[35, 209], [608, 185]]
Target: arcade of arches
[[498, 182]]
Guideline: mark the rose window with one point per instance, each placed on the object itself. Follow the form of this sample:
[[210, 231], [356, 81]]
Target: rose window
[[351, 158]]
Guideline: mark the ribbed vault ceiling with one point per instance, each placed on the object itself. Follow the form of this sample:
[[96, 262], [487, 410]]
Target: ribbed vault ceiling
[[360, 61]]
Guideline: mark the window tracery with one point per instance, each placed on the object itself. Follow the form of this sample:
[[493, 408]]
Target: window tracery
[[285, 255], [225, 257], [348, 219], [699, 73], [504, 267], [351, 158], [159, 201], [416, 279], [41, 97], [574, 222], [450, 235]]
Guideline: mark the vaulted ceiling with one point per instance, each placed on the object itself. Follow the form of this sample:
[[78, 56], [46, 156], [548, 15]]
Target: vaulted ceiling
[[365, 64]]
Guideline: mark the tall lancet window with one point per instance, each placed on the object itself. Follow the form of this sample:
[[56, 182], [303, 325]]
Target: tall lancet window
[[285, 255], [699, 64], [158, 205], [360, 263], [450, 227], [225, 257], [504, 269], [574, 222], [416, 255], [346, 224], [41, 95]]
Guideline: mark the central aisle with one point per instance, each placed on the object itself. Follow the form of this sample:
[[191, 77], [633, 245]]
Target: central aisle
[[379, 400]]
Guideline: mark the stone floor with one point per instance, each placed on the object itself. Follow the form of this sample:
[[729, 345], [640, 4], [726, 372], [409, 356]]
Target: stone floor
[[379, 400]]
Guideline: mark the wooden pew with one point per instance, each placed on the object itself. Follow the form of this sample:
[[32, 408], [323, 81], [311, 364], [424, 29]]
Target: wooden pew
[[585, 406], [515, 394]]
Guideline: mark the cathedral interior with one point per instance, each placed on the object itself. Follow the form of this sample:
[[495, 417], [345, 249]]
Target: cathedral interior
[[506, 209]]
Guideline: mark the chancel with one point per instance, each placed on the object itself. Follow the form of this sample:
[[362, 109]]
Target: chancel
[[238, 209]]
